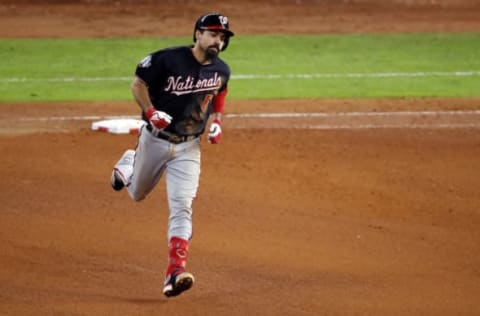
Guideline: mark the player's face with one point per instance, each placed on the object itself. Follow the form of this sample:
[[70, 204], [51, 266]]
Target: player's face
[[211, 42]]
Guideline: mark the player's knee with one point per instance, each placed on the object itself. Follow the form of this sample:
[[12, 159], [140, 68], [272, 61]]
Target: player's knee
[[181, 204]]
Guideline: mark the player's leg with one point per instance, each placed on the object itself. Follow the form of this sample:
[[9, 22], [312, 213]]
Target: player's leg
[[183, 173], [151, 156], [122, 170]]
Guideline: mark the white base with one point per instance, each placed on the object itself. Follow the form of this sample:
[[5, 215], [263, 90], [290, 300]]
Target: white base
[[118, 126]]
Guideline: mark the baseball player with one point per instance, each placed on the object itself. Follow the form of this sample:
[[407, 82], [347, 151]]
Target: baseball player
[[179, 90]]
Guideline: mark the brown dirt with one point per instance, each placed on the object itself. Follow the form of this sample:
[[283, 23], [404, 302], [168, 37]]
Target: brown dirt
[[375, 221], [43, 18]]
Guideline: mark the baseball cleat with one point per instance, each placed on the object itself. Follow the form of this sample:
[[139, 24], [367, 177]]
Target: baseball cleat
[[116, 181], [176, 284]]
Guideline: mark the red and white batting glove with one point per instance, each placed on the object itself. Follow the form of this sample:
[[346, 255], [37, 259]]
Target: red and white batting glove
[[215, 133], [158, 119]]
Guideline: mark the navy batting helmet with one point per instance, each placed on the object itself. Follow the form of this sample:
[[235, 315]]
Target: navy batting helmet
[[214, 22]]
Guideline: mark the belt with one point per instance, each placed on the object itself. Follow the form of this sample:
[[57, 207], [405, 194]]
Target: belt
[[172, 138]]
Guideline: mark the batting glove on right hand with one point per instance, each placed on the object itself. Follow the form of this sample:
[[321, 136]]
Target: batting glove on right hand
[[158, 119], [215, 133]]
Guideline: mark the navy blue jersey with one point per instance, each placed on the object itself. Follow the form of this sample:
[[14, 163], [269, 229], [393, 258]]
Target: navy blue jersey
[[182, 87]]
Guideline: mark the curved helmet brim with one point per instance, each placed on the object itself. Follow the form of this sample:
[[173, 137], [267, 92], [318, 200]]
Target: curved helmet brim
[[218, 28]]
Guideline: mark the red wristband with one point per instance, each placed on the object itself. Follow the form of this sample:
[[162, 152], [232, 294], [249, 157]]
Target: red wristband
[[150, 112]]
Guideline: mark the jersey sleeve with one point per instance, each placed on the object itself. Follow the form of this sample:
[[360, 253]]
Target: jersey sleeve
[[219, 101]]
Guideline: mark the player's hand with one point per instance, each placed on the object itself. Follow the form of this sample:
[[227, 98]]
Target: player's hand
[[158, 119], [215, 133]]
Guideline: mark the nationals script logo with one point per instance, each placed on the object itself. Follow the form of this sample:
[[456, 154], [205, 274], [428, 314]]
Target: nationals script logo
[[179, 85]]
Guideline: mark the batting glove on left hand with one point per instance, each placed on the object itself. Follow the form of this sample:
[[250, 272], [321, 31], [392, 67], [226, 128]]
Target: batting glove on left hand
[[215, 133]]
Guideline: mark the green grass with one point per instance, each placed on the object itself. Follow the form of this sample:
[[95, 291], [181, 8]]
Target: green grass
[[41, 65]]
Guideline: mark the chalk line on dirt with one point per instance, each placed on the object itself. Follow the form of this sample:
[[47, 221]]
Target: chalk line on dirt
[[320, 120], [458, 73], [273, 115]]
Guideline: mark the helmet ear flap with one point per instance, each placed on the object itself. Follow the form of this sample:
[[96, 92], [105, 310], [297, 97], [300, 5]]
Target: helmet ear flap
[[195, 34], [195, 29], [225, 43]]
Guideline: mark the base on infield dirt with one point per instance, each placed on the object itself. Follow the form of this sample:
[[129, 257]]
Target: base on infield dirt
[[118, 126]]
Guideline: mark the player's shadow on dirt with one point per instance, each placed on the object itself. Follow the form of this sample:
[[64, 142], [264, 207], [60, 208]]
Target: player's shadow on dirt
[[144, 301], [134, 300]]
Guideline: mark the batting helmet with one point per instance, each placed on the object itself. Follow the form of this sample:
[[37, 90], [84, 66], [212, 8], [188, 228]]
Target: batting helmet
[[213, 22]]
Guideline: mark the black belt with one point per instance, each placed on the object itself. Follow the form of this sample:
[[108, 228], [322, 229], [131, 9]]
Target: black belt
[[172, 138]]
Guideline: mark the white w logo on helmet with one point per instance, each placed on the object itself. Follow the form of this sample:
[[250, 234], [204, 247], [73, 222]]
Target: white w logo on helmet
[[223, 20]]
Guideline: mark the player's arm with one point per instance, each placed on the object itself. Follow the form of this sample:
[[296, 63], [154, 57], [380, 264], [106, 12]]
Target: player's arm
[[156, 118], [140, 93], [218, 104]]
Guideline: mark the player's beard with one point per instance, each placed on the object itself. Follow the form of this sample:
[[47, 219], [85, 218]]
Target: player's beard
[[212, 52]]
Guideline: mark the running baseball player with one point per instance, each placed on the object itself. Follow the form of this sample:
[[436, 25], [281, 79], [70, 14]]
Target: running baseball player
[[179, 90]]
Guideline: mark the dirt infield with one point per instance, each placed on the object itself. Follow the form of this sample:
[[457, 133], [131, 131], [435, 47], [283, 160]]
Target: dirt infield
[[364, 211]]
